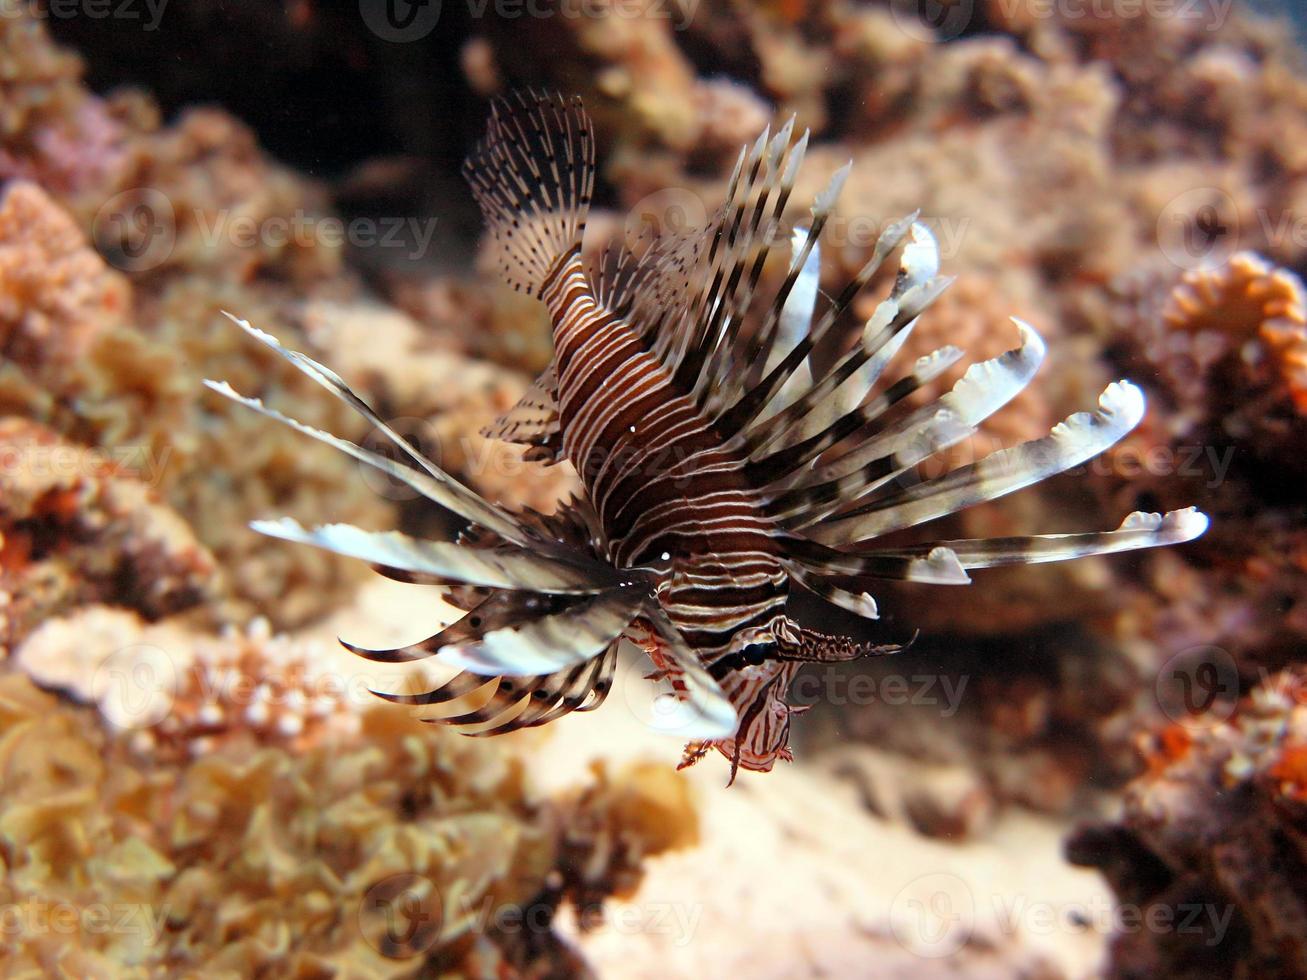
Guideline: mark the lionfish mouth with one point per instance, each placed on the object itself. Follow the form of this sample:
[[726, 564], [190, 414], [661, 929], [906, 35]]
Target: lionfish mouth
[[724, 472]]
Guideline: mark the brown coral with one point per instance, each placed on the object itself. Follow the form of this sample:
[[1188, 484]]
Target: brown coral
[[1217, 822]]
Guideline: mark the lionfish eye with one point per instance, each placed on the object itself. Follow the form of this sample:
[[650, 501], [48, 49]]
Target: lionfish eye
[[756, 653]]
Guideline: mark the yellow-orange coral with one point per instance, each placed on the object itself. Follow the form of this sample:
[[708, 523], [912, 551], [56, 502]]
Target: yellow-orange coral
[[262, 861], [1249, 299]]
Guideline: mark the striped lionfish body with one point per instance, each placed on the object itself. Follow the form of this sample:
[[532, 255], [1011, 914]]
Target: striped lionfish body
[[732, 495]]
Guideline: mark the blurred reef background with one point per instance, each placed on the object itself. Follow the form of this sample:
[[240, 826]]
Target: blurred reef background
[[181, 738]]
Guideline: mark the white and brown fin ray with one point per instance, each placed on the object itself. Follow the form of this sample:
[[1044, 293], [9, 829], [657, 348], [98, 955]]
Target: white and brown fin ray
[[533, 422], [939, 566], [718, 357], [501, 609], [437, 491], [1079, 438], [505, 567], [581, 689], [735, 256], [755, 399], [861, 604], [985, 388], [821, 406], [785, 323], [1138, 530], [533, 176], [430, 481], [918, 267], [781, 333], [484, 706], [552, 642], [805, 505], [785, 468]]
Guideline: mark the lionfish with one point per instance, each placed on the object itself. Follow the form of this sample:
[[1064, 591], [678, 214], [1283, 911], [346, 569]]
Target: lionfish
[[732, 491]]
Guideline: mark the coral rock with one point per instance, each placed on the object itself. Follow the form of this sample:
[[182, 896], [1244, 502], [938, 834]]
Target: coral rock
[[1217, 821], [76, 528]]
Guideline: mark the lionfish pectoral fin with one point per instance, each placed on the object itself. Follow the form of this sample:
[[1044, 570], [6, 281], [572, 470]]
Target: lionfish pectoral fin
[[713, 715], [482, 704], [985, 388], [552, 642], [936, 566], [426, 479], [533, 176], [1138, 530], [861, 604], [793, 320], [1077, 439], [506, 567]]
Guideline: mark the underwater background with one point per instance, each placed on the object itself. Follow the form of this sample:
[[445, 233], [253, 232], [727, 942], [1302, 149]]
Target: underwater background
[[1095, 769]]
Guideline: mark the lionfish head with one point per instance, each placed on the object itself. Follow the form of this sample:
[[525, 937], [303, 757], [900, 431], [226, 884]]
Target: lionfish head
[[755, 673]]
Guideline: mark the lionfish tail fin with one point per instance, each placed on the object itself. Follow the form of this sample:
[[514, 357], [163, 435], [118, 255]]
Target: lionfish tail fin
[[533, 176]]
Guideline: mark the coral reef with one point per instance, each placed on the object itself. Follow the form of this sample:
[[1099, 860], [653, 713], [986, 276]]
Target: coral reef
[[247, 816], [76, 528], [1132, 184], [1218, 821]]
